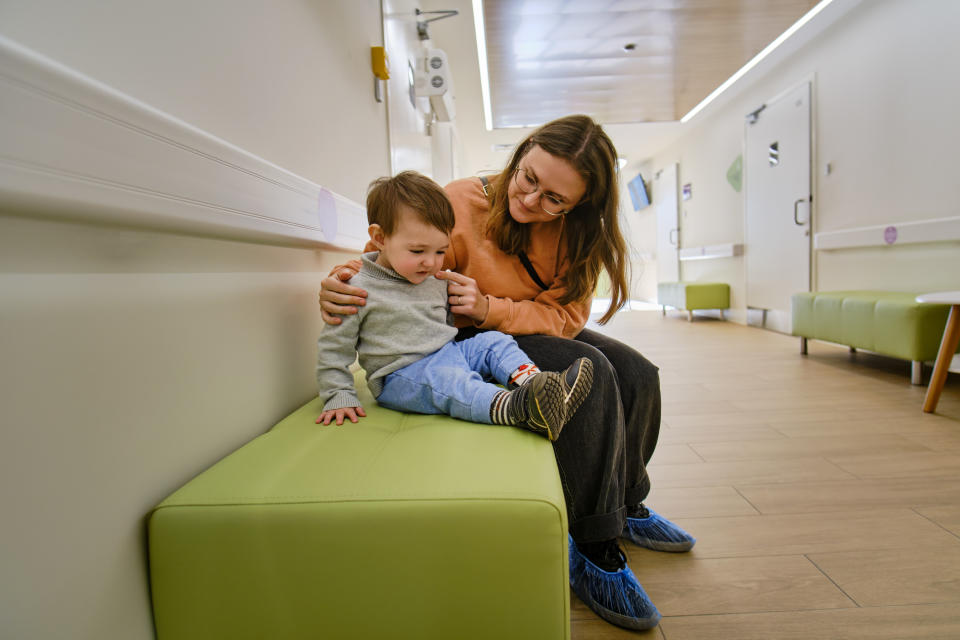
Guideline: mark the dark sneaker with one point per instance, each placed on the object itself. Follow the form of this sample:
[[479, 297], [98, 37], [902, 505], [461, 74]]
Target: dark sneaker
[[648, 529], [553, 398], [615, 596]]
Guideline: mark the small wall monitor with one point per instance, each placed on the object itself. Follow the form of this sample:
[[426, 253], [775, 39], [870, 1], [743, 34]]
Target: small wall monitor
[[638, 193]]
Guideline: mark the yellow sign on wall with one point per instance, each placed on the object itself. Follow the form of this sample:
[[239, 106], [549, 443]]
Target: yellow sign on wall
[[380, 63]]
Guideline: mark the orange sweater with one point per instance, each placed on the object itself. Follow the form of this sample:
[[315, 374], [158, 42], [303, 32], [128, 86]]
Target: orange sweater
[[518, 306]]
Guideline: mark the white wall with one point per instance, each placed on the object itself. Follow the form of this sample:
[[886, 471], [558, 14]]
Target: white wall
[[640, 231], [884, 117], [288, 81], [410, 147], [133, 359]]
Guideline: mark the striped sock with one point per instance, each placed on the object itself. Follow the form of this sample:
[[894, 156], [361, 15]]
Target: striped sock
[[504, 407]]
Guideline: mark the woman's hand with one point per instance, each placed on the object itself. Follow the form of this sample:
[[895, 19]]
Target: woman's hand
[[336, 295], [464, 296], [353, 413]]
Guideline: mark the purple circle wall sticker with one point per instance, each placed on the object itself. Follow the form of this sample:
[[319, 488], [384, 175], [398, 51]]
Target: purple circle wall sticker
[[327, 214], [890, 235]]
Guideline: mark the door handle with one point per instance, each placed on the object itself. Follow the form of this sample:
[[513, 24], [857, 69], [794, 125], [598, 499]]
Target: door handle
[[672, 239], [796, 220]]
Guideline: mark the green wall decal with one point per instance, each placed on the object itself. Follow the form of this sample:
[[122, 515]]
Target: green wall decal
[[735, 173]]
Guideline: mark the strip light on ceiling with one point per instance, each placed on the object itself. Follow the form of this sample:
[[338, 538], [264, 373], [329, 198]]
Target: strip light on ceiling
[[482, 57], [755, 60]]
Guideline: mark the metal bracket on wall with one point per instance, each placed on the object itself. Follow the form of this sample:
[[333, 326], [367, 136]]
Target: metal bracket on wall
[[422, 24]]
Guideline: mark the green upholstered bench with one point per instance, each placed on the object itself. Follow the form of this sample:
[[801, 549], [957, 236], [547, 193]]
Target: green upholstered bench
[[889, 323], [693, 296], [400, 526]]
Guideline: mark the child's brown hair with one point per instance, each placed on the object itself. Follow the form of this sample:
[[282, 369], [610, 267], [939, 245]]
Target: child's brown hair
[[418, 192]]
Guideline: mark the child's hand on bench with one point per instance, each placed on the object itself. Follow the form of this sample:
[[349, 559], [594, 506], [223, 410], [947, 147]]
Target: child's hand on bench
[[354, 413]]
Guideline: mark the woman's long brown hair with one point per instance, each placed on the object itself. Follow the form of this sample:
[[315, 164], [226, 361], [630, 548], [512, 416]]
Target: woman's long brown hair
[[594, 240]]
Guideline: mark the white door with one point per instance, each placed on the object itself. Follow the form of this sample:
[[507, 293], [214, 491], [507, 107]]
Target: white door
[[778, 205], [668, 231]]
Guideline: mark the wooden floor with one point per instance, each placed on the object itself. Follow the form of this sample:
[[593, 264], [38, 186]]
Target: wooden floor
[[825, 503]]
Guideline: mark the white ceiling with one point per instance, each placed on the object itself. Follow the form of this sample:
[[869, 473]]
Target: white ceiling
[[621, 60], [548, 58]]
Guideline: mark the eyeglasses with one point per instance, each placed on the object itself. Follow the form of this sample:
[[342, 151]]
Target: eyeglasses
[[551, 205]]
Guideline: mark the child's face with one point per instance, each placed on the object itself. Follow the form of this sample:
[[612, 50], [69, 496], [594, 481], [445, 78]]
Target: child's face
[[415, 250]]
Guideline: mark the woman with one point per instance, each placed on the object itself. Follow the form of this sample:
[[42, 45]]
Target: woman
[[528, 249]]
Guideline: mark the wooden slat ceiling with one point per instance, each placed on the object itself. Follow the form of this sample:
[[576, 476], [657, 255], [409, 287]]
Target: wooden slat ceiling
[[621, 60]]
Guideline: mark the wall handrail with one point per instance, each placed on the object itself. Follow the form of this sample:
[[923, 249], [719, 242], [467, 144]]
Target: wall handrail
[[709, 252], [917, 231], [77, 148]]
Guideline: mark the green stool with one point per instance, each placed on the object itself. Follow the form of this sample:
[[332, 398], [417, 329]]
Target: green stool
[[693, 295], [400, 526]]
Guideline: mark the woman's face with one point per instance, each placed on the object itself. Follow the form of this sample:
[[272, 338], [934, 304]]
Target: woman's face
[[556, 179]]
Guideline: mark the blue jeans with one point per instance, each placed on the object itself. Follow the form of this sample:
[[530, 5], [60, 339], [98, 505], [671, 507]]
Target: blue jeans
[[454, 379]]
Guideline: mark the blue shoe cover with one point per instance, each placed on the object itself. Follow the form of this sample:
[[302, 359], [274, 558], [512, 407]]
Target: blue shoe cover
[[657, 533], [616, 597]]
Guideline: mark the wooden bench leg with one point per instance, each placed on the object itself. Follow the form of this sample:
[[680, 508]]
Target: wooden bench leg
[[689, 316], [948, 346], [916, 372], [803, 346]]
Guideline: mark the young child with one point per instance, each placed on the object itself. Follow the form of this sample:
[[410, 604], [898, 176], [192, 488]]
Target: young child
[[404, 335]]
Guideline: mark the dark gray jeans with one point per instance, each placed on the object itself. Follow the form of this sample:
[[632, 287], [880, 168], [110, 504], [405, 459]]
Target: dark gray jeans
[[602, 453]]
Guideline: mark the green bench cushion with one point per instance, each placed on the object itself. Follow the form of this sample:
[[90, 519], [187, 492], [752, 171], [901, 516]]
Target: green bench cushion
[[400, 526], [889, 323], [694, 295]]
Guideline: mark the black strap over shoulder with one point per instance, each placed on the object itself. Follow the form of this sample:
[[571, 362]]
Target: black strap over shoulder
[[533, 272], [522, 255]]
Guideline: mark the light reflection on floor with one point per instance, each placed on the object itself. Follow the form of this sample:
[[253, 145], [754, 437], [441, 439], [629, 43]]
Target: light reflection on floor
[[600, 306]]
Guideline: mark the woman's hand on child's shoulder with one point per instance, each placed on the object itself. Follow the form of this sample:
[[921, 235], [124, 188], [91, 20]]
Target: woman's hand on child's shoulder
[[353, 413], [336, 295]]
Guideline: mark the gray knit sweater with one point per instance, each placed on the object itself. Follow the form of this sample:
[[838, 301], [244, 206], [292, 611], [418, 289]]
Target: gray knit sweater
[[401, 323]]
